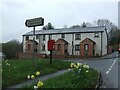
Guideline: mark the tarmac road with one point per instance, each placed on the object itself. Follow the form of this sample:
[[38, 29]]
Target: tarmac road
[[108, 65]]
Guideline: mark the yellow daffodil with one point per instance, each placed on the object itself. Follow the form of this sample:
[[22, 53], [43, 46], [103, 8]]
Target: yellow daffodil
[[35, 87], [87, 71], [68, 69], [28, 76], [32, 76], [39, 84], [79, 64], [77, 67], [37, 73], [71, 65], [85, 66]]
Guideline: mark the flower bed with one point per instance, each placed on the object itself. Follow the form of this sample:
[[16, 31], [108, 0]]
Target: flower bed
[[80, 76]]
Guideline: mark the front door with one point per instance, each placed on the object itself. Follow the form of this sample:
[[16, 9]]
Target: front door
[[86, 49]]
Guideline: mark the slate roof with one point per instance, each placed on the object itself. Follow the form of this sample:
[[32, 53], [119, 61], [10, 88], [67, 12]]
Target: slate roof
[[60, 31], [63, 40], [89, 40]]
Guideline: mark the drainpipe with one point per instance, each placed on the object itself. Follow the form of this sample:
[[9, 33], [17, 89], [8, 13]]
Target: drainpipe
[[101, 43], [72, 44], [107, 38]]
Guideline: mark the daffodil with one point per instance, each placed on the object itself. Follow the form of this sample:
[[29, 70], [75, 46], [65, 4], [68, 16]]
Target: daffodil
[[85, 66], [71, 65], [68, 69], [39, 84], [87, 71], [75, 65], [32, 76], [28, 76], [37, 73], [35, 87], [79, 64]]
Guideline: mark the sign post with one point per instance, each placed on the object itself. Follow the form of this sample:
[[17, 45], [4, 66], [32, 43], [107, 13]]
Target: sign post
[[51, 57], [33, 23]]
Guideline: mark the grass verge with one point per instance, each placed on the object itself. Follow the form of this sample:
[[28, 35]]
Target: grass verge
[[67, 80], [16, 71]]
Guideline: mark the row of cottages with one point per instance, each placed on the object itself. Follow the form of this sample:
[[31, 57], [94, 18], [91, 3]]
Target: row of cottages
[[87, 41]]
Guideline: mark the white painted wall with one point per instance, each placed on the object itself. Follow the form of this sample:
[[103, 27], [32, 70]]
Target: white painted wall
[[104, 43], [68, 38]]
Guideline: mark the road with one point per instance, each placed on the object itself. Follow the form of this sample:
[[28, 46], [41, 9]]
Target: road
[[108, 66]]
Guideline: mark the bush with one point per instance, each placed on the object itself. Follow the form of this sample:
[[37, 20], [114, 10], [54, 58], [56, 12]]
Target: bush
[[11, 48]]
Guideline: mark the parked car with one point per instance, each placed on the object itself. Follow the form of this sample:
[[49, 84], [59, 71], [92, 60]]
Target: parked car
[[2, 56]]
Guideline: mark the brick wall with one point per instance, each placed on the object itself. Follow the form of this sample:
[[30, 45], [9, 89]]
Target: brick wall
[[110, 49], [30, 55], [30, 50], [90, 48], [64, 47]]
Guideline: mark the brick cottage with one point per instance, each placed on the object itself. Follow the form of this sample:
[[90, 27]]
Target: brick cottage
[[83, 42]]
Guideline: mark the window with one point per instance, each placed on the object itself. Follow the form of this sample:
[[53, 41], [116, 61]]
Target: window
[[77, 47], [77, 36], [27, 38], [29, 46], [43, 37], [58, 47], [43, 48], [50, 37], [96, 34], [62, 35], [37, 36], [86, 47]]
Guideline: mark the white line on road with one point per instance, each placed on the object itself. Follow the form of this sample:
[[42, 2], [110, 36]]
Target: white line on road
[[111, 66], [107, 72]]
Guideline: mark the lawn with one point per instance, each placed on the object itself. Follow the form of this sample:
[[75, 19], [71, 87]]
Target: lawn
[[16, 71], [67, 80]]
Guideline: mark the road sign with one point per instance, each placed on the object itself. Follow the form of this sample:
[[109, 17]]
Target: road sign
[[34, 22]]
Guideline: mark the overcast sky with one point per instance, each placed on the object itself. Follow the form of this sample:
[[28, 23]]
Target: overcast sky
[[58, 12]]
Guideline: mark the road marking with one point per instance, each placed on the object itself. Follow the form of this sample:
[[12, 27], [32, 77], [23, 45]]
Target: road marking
[[107, 72]]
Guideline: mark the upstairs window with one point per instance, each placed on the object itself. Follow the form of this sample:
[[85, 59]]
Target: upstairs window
[[62, 35], [96, 35], [27, 38], [77, 47], [77, 36]]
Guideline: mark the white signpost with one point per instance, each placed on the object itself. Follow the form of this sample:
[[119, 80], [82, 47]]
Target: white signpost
[[33, 23]]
